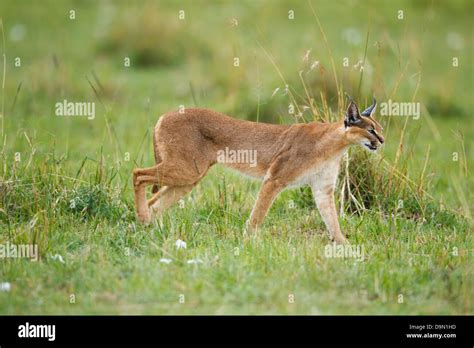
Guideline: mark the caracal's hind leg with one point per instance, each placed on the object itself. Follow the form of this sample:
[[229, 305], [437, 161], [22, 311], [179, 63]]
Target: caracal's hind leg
[[143, 177], [156, 195], [177, 177], [166, 197]]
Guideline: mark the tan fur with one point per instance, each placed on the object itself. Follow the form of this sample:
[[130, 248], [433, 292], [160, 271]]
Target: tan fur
[[186, 146]]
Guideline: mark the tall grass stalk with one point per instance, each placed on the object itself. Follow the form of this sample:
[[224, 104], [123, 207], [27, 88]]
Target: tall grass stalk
[[368, 182], [2, 116]]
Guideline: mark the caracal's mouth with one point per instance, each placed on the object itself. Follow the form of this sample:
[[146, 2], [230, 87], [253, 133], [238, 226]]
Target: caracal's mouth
[[370, 146]]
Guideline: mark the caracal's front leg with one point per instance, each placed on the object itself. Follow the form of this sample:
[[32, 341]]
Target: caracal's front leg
[[324, 198], [270, 189], [141, 178]]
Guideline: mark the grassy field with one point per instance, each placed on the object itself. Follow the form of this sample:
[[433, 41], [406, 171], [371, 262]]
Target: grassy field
[[65, 182]]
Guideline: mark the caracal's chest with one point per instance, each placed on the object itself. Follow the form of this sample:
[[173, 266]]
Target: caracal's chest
[[321, 174]]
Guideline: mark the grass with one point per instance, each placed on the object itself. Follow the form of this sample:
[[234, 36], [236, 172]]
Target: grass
[[70, 192], [112, 265]]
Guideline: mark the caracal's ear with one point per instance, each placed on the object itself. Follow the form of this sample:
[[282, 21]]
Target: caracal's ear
[[352, 115], [370, 111]]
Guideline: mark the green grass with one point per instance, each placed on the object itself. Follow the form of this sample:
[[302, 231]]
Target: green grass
[[112, 265], [71, 192]]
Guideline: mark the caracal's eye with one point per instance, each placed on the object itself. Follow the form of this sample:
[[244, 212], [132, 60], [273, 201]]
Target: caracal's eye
[[372, 131]]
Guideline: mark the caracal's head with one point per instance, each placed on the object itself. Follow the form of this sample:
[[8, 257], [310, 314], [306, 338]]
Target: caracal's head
[[362, 129]]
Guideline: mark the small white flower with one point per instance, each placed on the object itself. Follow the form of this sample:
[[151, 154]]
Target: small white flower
[[314, 65], [5, 286], [194, 261], [167, 261], [180, 244], [57, 257], [358, 65]]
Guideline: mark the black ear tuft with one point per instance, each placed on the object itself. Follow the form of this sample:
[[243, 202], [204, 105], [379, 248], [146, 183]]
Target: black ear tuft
[[370, 111], [352, 115]]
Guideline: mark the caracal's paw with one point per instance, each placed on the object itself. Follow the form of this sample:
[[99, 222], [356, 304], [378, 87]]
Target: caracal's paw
[[340, 240], [144, 218], [251, 227]]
